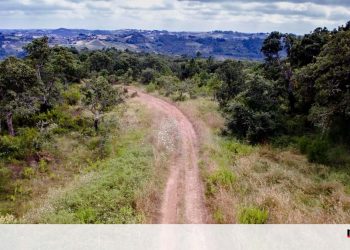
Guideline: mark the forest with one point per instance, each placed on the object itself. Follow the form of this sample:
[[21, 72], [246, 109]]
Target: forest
[[61, 109]]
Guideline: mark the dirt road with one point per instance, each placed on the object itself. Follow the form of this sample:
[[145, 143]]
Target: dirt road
[[183, 199]]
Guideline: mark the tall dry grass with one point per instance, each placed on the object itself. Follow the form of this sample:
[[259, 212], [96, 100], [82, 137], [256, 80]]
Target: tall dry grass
[[281, 182]]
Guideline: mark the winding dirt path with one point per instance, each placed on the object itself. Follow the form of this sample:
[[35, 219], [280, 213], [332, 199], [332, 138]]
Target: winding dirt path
[[183, 199]]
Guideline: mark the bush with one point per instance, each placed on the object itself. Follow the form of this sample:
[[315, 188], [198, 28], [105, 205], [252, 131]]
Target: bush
[[43, 166], [26, 143], [151, 88], [220, 178], [8, 219], [304, 143], [339, 155], [284, 141], [253, 215], [147, 76], [28, 173], [219, 217], [72, 96], [318, 151], [5, 176], [248, 124], [253, 114], [8, 146], [86, 215], [62, 117], [30, 141]]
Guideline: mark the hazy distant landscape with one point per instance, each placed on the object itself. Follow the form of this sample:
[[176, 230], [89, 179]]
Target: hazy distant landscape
[[218, 44]]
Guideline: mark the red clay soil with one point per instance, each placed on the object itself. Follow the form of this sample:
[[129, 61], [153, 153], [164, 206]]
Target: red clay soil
[[183, 199]]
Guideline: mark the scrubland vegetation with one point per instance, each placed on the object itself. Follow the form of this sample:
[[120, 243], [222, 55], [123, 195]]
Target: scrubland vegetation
[[274, 136]]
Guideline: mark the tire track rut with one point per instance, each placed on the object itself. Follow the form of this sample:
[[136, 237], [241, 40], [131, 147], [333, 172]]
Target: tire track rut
[[183, 198]]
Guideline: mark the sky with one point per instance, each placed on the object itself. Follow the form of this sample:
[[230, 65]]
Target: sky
[[296, 16]]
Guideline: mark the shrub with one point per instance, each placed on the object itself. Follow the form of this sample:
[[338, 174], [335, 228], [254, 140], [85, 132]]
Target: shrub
[[26, 143], [61, 117], [339, 155], [304, 143], [318, 151], [5, 176], [101, 145], [43, 166], [151, 88], [86, 215], [253, 215], [220, 178], [28, 173], [283, 141], [219, 217], [166, 84], [8, 219], [30, 141], [72, 96], [147, 75], [253, 114], [8, 146]]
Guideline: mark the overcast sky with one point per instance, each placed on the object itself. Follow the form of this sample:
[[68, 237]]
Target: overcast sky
[[295, 16]]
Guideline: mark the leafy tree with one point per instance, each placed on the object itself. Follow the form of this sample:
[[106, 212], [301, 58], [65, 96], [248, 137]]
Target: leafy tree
[[167, 83], [189, 69], [304, 50], [47, 70], [99, 60], [157, 63], [38, 52], [278, 69], [19, 90], [272, 46], [180, 88], [147, 75], [65, 64], [99, 97], [254, 113], [330, 76], [232, 80]]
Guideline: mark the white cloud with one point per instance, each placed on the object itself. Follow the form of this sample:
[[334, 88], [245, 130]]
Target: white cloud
[[243, 15]]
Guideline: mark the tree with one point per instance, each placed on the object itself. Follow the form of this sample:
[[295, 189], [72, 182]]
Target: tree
[[279, 69], [99, 97], [147, 75], [19, 91], [65, 64], [254, 113], [272, 46], [38, 52], [189, 69], [232, 79], [304, 50], [40, 55], [328, 80], [99, 60]]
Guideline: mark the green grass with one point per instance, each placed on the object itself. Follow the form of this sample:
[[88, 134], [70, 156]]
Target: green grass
[[220, 178], [109, 193], [229, 149], [253, 215]]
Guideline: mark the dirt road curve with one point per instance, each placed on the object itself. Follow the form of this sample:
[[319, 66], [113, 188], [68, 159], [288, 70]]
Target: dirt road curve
[[183, 200]]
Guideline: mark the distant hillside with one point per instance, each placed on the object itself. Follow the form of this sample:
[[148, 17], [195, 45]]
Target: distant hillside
[[218, 44]]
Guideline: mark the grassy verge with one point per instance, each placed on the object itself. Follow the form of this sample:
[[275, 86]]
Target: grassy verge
[[262, 184], [118, 188]]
